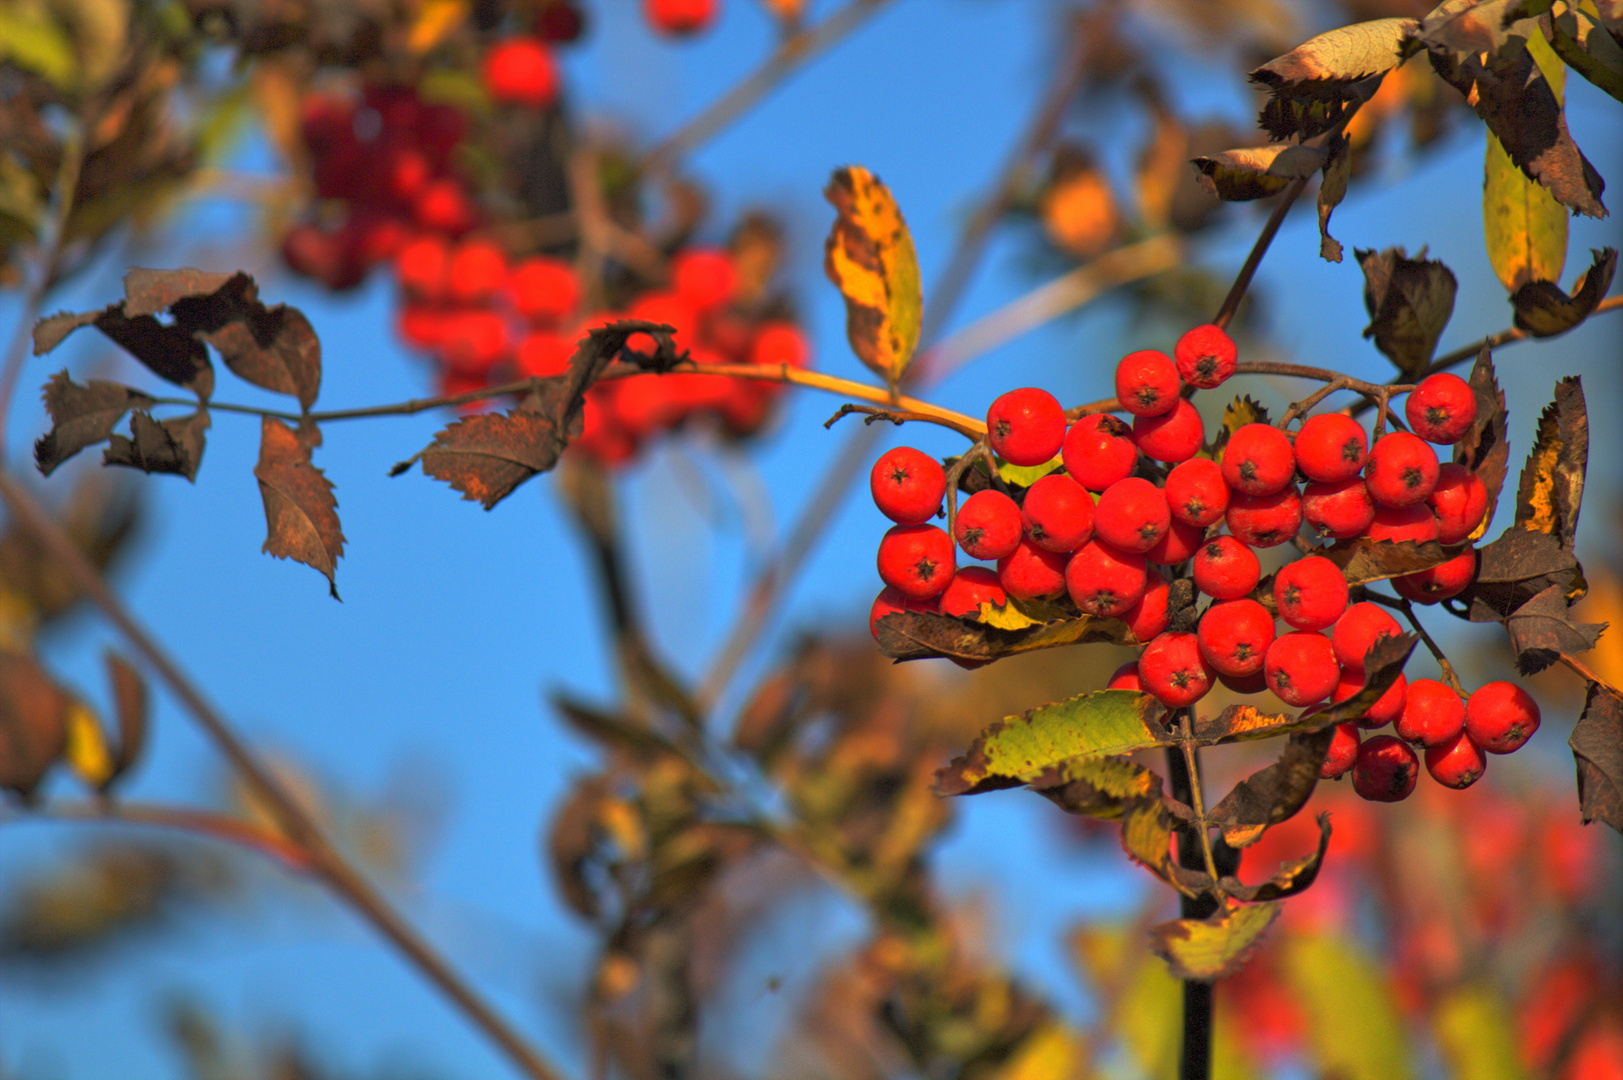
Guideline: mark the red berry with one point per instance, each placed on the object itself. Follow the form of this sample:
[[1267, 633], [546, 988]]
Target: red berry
[[907, 485], [1264, 521], [1172, 669], [1098, 451], [1245, 684], [1150, 615], [1205, 356], [1171, 437], [543, 353], [1340, 509], [1387, 708], [1032, 573], [780, 344], [1408, 523], [1301, 667], [679, 17], [1460, 501], [1331, 447], [1235, 636], [1343, 752], [1196, 493], [1147, 383], [971, 587], [1125, 678], [474, 341], [1358, 630], [421, 326], [1226, 569], [477, 272], [988, 525], [1385, 770], [1432, 715], [1132, 515], [1500, 717], [423, 267], [1456, 764], [704, 277], [1441, 409], [443, 206], [1439, 582], [916, 559], [1258, 460], [520, 71], [544, 289], [1178, 544], [889, 602], [1026, 426], [1103, 580], [1058, 513], [1310, 593], [1402, 470]]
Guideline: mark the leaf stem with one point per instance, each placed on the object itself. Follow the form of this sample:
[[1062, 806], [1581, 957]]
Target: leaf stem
[[1197, 803]]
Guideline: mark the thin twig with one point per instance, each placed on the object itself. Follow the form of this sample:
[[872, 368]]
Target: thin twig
[[232, 830], [1242, 280], [1402, 604], [1197, 803], [1577, 667], [1504, 337], [900, 416]]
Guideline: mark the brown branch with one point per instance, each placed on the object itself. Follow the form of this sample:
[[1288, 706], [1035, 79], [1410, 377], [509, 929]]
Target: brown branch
[[206, 823], [1504, 337], [1402, 604], [1242, 280], [901, 416]]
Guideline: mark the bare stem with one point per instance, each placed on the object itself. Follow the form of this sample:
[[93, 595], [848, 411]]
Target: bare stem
[[1578, 668], [1242, 280], [232, 830], [901, 416], [1403, 605], [1197, 802]]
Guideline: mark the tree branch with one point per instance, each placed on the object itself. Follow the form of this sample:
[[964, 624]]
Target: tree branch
[[206, 823]]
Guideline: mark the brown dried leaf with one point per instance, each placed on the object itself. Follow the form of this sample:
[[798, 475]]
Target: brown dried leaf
[[272, 347], [1551, 490], [1485, 448], [1293, 877], [1512, 570], [1597, 747], [167, 446], [169, 352], [33, 723], [1409, 302], [1275, 793], [1337, 170], [922, 635], [1543, 310], [81, 416], [1312, 85], [1541, 630], [1098, 787], [1257, 172], [301, 514], [147, 292], [1205, 950], [572, 844], [1363, 560], [130, 707]]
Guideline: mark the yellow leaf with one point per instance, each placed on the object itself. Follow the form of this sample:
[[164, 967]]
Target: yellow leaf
[[87, 750], [1214, 948], [1007, 617], [1525, 227], [436, 19], [1051, 1051], [1477, 1034], [870, 257]]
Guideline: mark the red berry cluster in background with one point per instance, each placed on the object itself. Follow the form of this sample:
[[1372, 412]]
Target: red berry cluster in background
[[1134, 506]]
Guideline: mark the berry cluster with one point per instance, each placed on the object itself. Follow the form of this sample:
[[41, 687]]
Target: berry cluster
[[1133, 506]]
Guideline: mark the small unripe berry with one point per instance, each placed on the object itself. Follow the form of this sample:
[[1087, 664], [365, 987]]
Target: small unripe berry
[[889, 602], [1385, 709], [1171, 437], [1402, 470], [1343, 752], [1234, 636], [1433, 714], [1058, 513], [1258, 460], [1341, 509], [1331, 447], [1032, 573], [1385, 770], [1132, 515], [1441, 409], [1301, 667], [1438, 582], [1358, 630], [1406, 523], [1460, 500], [1150, 615], [1205, 356], [1125, 678], [1264, 521], [1500, 717], [1456, 764], [1147, 383], [907, 485], [520, 71], [969, 588], [1226, 569], [1310, 593], [1196, 493], [1026, 426], [918, 560], [1171, 668], [1178, 544], [1099, 451], [988, 525], [1103, 580]]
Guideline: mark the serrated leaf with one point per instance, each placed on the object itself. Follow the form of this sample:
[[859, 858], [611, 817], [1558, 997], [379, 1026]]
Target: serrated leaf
[[130, 709], [1363, 560], [148, 291], [870, 258], [1332, 189], [169, 352], [1275, 793], [1146, 836], [81, 416], [1513, 569], [922, 635], [1100, 787], [1311, 86], [1243, 410], [1552, 482], [1472, 27], [1256, 172], [1586, 47], [272, 347], [1485, 447], [1541, 630], [1597, 747], [1409, 303], [1019, 749], [167, 446], [1524, 226], [301, 513], [1543, 310], [1205, 950], [1023, 476], [33, 723], [1243, 723]]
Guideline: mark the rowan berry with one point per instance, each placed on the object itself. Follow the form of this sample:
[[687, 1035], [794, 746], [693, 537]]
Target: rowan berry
[[1438, 582], [1258, 460], [543, 289], [443, 206], [1460, 501], [780, 344], [1172, 669], [1150, 615], [475, 340], [478, 269], [890, 601], [1032, 573], [1456, 764], [520, 71], [1235, 635], [1171, 437], [1398, 524], [1340, 509], [1205, 356], [988, 525], [907, 485], [543, 353], [1196, 493], [423, 267], [1310, 593], [1301, 667], [917, 559], [1026, 426], [1385, 709], [1402, 470], [1330, 447], [1441, 409], [421, 326], [1177, 544], [1147, 383], [560, 21], [1244, 684], [1264, 521], [1343, 752], [1125, 678], [1433, 714], [1385, 770], [679, 17], [1132, 515], [1357, 631], [1057, 513], [1098, 451], [969, 588], [1500, 717], [1104, 580], [704, 277], [1226, 569]]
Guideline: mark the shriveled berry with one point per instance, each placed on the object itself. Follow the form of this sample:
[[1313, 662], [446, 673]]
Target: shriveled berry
[[1310, 593], [917, 559], [1205, 356], [907, 485], [1456, 764], [969, 588], [1357, 631], [1340, 509], [1132, 515], [1441, 409], [1438, 582], [1125, 678], [890, 601], [1385, 770], [1196, 493], [1104, 580], [1398, 524], [1301, 667], [1433, 714], [1235, 635], [1500, 717], [1058, 513], [1264, 521], [1147, 383], [1177, 544], [1460, 501], [1402, 470], [1171, 437], [1343, 752], [1258, 460], [1150, 615], [1171, 668], [988, 525], [1226, 569], [1098, 451], [1026, 426], [1384, 709], [1032, 573], [1331, 447]]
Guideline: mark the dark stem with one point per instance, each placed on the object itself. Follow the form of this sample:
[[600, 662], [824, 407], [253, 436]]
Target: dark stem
[[1231, 302], [1195, 1060]]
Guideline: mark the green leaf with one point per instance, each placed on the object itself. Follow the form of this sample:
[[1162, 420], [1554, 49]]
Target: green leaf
[[1355, 1030], [32, 40], [1525, 227], [1478, 1035], [1589, 50], [1205, 950], [1098, 787], [1025, 475]]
